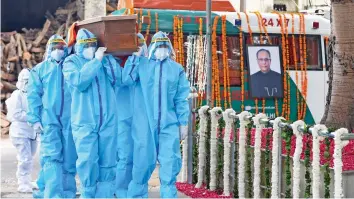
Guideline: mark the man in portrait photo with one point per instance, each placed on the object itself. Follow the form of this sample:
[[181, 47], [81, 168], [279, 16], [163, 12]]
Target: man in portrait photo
[[266, 82]]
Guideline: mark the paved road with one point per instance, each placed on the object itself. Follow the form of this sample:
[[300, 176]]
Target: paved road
[[8, 174]]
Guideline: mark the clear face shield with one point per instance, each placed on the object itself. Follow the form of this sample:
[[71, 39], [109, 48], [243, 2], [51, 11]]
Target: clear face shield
[[162, 43]]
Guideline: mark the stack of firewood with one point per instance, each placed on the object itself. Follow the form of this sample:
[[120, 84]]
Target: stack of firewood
[[27, 49]]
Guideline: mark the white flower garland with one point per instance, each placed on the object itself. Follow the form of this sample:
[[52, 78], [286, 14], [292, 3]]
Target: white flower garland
[[200, 64], [203, 123], [257, 154], [316, 138], [213, 145], [338, 162], [275, 157], [298, 150], [227, 149], [242, 153]]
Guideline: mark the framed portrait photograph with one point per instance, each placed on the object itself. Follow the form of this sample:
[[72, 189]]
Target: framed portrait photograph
[[265, 71]]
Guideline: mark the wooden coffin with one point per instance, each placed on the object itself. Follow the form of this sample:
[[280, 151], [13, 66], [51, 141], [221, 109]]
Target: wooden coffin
[[117, 33]]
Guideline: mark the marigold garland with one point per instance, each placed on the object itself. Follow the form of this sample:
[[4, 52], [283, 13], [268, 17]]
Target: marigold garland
[[227, 94], [175, 37], [251, 39], [215, 63], [157, 21], [181, 42], [287, 67], [148, 27], [284, 106], [260, 39], [305, 68], [242, 64], [140, 19], [295, 63]]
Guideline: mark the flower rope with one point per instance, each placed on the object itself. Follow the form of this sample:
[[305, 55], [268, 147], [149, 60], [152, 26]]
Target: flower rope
[[242, 152], [215, 116], [298, 150], [227, 149], [338, 162], [275, 157], [202, 112], [227, 94], [316, 138], [257, 154], [242, 65]]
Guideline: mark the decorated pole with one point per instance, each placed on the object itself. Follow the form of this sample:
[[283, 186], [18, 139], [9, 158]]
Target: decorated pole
[[208, 57]]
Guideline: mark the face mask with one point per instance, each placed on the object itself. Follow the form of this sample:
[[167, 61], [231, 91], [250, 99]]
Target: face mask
[[89, 53], [57, 54], [161, 53]]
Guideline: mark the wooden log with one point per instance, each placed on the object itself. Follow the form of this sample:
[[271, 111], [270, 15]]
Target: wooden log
[[37, 50], [62, 12], [60, 30], [68, 21], [26, 56], [8, 76], [43, 33], [23, 43], [6, 36], [29, 46], [19, 45], [13, 59], [7, 86]]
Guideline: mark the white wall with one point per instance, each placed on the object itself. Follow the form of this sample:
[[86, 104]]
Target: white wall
[[254, 5]]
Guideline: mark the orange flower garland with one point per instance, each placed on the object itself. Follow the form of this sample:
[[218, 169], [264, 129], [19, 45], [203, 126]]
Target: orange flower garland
[[250, 33], [181, 42], [216, 64], [175, 36], [156, 22], [242, 66], [305, 68], [140, 19], [287, 67], [227, 94], [148, 27], [295, 64], [284, 106]]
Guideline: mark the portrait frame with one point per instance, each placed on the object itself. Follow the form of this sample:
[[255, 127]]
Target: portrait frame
[[276, 65]]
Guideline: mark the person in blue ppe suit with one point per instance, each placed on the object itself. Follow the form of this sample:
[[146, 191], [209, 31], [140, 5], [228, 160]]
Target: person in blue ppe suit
[[125, 141], [92, 78], [160, 121], [49, 114]]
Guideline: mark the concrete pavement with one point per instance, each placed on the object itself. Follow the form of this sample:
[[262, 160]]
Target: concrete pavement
[[9, 181]]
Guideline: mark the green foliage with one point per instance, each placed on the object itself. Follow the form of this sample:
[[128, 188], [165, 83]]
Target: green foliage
[[286, 135], [307, 169], [327, 176], [195, 152], [220, 155], [267, 172]]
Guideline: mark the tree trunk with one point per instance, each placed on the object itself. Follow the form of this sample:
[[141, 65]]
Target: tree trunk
[[341, 106]]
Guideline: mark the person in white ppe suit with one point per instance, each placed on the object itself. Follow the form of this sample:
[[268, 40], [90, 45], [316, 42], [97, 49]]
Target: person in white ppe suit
[[22, 135]]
